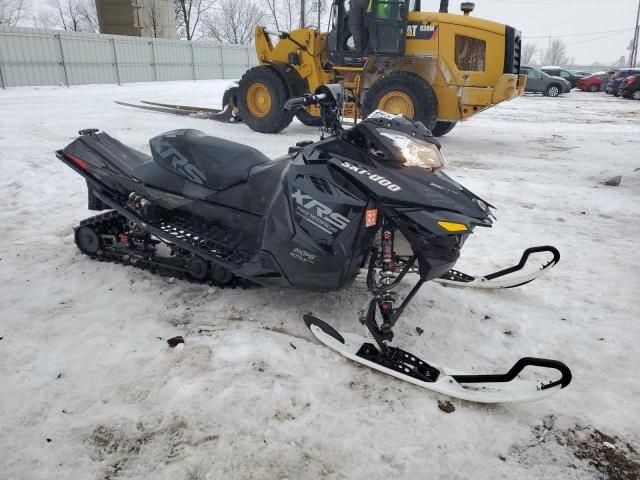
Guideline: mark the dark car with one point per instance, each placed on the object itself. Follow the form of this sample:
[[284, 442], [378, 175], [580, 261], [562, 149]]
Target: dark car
[[570, 77], [613, 85], [630, 87], [592, 83], [606, 77], [541, 82]]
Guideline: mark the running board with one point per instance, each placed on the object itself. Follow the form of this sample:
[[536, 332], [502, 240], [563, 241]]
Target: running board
[[503, 278], [501, 388], [184, 236]]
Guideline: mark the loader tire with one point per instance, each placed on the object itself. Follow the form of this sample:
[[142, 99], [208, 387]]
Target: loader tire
[[442, 128], [307, 119], [261, 98], [406, 93]]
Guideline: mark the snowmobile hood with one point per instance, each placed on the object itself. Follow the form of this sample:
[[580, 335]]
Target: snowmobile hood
[[399, 161], [415, 186]]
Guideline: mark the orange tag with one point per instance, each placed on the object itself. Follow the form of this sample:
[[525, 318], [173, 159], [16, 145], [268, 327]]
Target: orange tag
[[371, 218]]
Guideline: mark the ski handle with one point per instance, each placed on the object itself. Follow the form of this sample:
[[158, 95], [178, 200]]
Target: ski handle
[[523, 261], [519, 367]]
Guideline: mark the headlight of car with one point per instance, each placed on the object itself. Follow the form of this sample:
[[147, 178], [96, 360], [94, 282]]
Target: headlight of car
[[415, 152]]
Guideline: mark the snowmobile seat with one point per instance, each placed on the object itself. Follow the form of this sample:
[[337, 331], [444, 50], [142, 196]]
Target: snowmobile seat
[[210, 161]]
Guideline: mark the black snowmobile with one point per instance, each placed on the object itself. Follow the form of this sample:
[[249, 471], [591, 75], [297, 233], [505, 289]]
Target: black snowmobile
[[371, 198]]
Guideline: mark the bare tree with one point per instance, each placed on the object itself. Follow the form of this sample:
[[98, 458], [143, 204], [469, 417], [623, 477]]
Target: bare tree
[[272, 6], [287, 14], [154, 18], [556, 53], [188, 15], [12, 11], [89, 15], [234, 21], [45, 18], [529, 51], [75, 15]]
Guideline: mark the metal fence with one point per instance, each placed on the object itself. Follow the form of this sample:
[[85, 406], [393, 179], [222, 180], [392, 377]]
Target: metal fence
[[31, 56]]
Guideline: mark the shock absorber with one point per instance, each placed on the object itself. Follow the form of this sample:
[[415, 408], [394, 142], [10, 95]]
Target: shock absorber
[[388, 260], [387, 276]]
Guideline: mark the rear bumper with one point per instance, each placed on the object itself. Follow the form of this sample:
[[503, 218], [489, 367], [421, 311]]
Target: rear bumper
[[508, 87], [476, 99]]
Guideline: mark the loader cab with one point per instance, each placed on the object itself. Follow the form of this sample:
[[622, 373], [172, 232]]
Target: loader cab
[[384, 27]]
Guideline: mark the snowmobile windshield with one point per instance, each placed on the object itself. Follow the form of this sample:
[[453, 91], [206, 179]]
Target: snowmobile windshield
[[415, 152]]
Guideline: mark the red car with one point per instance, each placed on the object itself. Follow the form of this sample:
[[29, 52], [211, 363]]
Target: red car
[[592, 83]]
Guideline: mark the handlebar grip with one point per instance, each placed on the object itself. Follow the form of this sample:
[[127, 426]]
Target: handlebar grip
[[306, 99], [294, 102]]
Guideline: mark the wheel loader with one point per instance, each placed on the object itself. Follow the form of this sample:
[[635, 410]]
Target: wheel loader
[[437, 67]]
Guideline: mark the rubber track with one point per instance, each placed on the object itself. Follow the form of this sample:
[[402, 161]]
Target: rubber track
[[102, 223]]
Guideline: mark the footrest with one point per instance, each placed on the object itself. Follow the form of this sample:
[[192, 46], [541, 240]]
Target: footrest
[[202, 240], [401, 362]]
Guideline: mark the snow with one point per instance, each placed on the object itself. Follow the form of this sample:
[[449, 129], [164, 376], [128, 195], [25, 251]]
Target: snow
[[90, 389]]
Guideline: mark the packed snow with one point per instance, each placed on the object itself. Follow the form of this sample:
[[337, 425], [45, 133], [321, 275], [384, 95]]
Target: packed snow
[[90, 389]]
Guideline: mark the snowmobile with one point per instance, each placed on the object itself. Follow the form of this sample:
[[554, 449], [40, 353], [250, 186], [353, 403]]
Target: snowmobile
[[371, 199]]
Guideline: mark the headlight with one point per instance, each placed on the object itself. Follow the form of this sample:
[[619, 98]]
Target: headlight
[[416, 153]]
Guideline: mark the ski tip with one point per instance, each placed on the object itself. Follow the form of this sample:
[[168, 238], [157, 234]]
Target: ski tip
[[310, 320]]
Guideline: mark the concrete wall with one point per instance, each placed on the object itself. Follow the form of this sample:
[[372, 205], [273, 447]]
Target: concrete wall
[[31, 56], [140, 18]]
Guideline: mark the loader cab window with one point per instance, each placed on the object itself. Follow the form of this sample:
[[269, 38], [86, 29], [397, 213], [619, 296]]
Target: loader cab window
[[340, 37], [471, 54], [360, 28], [388, 26]]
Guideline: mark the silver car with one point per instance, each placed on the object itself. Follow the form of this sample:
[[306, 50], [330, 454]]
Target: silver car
[[541, 82]]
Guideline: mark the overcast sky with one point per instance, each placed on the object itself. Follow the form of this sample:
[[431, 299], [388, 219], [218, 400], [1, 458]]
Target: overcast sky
[[569, 19], [577, 22]]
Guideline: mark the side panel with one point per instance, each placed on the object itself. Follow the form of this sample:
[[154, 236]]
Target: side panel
[[315, 229], [493, 58]]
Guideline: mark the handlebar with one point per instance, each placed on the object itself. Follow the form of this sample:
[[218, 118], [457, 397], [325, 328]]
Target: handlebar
[[306, 99]]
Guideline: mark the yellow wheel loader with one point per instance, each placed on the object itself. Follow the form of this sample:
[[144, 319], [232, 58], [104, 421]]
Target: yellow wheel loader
[[439, 68]]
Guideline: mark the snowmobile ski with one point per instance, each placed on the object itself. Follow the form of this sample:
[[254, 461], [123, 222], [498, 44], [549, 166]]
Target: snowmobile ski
[[503, 278], [408, 367]]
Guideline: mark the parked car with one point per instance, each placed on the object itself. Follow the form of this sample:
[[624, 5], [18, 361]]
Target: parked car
[[540, 82], [592, 83], [630, 87], [581, 73], [606, 77], [613, 85], [572, 78]]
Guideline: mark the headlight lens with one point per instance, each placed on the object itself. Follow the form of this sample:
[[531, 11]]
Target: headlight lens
[[416, 153]]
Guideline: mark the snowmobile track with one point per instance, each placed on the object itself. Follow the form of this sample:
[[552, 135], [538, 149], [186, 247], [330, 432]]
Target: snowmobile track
[[110, 222]]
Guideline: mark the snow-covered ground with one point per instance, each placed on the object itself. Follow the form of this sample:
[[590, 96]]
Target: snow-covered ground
[[90, 389]]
